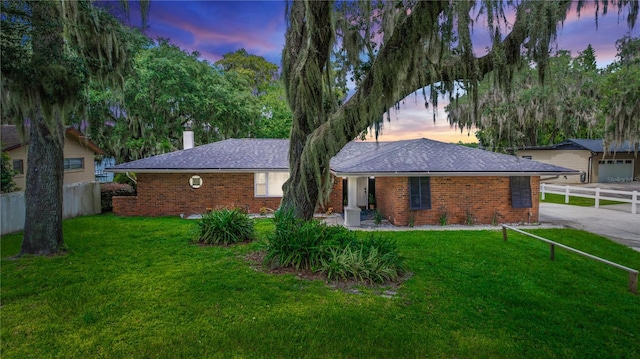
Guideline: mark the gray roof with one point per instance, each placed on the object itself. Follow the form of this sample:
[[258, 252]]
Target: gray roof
[[245, 154], [431, 157], [584, 144], [598, 145], [419, 156]]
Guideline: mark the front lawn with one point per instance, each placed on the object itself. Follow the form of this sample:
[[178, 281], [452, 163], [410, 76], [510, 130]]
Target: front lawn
[[576, 201], [137, 288]]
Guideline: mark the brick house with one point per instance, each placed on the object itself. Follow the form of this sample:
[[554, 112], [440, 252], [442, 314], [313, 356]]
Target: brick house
[[411, 182]]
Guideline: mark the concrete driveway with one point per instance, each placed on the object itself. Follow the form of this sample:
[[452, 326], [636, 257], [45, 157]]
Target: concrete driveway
[[616, 223]]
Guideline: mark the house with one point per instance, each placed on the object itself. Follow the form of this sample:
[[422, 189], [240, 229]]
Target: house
[[412, 182], [79, 155], [596, 165]]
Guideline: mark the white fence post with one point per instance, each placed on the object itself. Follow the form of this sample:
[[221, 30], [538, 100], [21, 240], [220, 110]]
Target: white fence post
[[634, 202], [566, 194], [597, 197], [542, 190]]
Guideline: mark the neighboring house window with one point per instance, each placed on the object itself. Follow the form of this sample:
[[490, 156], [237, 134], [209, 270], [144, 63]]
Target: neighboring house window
[[18, 166], [419, 193], [269, 184], [73, 164], [520, 192], [527, 157]]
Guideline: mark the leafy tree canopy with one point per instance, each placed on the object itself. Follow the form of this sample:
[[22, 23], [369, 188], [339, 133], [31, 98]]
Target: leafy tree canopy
[[392, 49], [578, 103], [168, 90], [256, 70]]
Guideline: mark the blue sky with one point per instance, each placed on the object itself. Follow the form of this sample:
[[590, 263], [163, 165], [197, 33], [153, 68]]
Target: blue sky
[[214, 28]]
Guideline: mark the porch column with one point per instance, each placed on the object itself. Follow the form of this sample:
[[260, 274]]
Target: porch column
[[352, 212]]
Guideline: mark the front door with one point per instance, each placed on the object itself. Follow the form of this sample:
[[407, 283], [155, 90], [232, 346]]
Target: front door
[[363, 192]]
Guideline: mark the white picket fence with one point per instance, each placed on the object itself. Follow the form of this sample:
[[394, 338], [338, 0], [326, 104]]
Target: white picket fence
[[595, 193]]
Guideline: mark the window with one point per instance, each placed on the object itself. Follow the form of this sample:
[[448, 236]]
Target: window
[[73, 164], [520, 192], [269, 184], [419, 193], [18, 166], [195, 181]]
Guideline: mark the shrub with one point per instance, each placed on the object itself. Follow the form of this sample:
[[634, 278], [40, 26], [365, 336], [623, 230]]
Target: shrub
[[373, 260], [333, 250], [377, 217], [225, 226], [126, 178], [7, 172], [443, 216], [108, 190], [301, 244]]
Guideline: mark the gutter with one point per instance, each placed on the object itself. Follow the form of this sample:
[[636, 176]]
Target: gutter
[[194, 170], [450, 174]]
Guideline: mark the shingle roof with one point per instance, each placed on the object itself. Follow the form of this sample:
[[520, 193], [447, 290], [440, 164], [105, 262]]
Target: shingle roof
[[428, 156], [598, 145], [231, 154], [11, 138], [584, 144], [371, 158]]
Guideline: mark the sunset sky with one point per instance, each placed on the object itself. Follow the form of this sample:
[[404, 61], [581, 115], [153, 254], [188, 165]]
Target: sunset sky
[[214, 28]]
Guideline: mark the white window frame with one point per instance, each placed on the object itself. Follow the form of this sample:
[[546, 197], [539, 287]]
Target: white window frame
[[263, 184], [70, 164]]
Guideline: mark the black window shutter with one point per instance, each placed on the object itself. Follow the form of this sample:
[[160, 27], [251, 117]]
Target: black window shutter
[[425, 193], [419, 193], [521, 192], [414, 192]]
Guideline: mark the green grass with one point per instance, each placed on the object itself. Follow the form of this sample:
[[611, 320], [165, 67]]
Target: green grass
[[576, 201], [137, 288]]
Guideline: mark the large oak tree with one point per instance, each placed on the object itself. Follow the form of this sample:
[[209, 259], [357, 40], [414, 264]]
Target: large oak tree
[[392, 49], [51, 50]]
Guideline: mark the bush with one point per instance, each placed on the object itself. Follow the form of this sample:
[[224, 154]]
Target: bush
[[298, 243], [333, 250], [7, 172], [123, 178], [108, 190], [375, 259], [225, 226]]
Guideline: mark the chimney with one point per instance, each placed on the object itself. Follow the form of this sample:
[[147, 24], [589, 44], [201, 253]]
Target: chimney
[[187, 136], [187, 139]]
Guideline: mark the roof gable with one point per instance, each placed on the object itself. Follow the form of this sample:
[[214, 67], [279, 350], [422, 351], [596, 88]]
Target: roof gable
[[12, 140], [428, 156]]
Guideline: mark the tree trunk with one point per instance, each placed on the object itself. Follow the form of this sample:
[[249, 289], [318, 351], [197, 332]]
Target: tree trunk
[[45, 162], [43, 195]]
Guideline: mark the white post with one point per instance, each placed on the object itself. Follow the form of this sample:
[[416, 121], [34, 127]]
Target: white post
[[542, 190], [566, 194], [352, 211], [634, 202], [597, 197]]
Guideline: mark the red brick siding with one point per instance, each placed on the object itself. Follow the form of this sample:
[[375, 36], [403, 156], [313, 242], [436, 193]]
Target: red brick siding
[[335, 197], [169, 194], [483, 197]]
